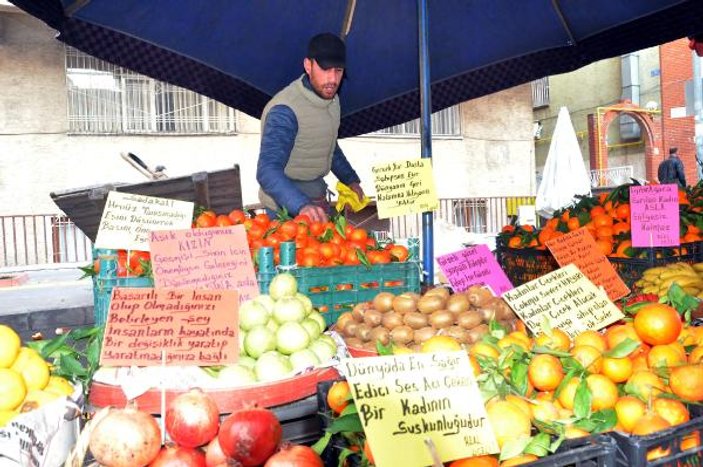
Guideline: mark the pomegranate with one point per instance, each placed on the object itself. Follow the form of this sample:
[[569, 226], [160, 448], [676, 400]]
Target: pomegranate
[[250, 436], [125, 438], [214, 457], [179, 456], [192, 419], [294, 455]]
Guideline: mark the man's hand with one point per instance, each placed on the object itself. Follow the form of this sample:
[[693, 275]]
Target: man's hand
[[314, 212], [356, 188]]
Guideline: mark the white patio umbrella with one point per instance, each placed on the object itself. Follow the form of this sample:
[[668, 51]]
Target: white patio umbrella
[[565, 174]]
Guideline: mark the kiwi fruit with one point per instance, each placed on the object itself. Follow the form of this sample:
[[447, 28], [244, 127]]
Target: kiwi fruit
[[402, 335], [415, 320], [383, 301], [392, 320], [381, 335], [441, 319], [373, 317], [428, 304], [469, 319], [421, 335]]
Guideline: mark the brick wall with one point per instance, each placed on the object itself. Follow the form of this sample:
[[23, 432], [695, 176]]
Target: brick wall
[[676, 68]]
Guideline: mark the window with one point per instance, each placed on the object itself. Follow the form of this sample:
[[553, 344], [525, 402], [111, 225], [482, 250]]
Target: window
[[105, 98], [444, 123], [540, 92]]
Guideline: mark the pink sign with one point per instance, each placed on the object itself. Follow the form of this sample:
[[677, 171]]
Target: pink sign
[[655, 215], [212, 258], [475, 265]]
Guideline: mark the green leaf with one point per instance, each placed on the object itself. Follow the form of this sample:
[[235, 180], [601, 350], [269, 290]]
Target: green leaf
[[539, 445], [518, 377], [557, 353], [496, 329], [582, 400], [321, 444], [599, 422], [70, 365], [362, 258], [346, 452], [623, 349], [282, 214], [570, 373], [340, 225], [326, 236], [53, 345], [88, 271], [514, 447], [347, 423], [84, 332], [384, 350], [350, 409], [212, 371]]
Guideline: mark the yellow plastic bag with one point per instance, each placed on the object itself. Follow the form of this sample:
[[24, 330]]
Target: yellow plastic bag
[[348, 196]]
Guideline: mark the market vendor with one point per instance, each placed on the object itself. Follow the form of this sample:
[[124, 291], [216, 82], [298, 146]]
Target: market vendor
[[299, 136]]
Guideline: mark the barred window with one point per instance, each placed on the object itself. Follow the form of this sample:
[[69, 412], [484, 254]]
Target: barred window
[[540, 92], [105, 98], [444, 123]]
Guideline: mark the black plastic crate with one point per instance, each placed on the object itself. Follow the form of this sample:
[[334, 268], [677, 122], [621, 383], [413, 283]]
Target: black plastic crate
[[300, 421], [589, 451]]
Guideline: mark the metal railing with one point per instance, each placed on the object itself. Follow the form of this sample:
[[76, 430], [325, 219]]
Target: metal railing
[[52, 239], [612, 176]]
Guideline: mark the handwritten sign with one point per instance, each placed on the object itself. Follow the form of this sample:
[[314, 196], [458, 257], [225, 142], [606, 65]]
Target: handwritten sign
[[128, 218], [213, 258], [404, 187], [566, 299], [405, 399], [654, 210], [579, 247], [475, 265], [193, 327]]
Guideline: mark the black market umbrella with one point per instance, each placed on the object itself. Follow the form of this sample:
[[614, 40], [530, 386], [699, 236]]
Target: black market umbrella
[[399, 52]]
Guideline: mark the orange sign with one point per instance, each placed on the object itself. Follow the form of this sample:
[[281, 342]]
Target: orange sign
[[213, 258], [579, 248], [192, 327]]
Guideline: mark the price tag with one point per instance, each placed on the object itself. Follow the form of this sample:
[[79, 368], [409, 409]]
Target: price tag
[[654, 210], [404, 399], [212, 258], [404, 187], [128, 219], [475, 265], [566, 299], [193, 327]]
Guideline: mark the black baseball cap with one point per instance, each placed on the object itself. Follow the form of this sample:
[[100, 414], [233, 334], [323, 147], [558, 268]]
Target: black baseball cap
[[328, 50]]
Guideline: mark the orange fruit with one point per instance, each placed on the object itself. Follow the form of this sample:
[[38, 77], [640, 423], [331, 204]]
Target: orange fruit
[[672, 410], [520, 402], [590, 357], [645, 384], [544, 410], [509, 422], [545, 372], [651, 423], [691, 441], [618, 370], [618, 333], [555, 340], [592, 338], [572, 432], [568, 393], [522, 337], [604, 393], [519, 460], [639, 363], [604, 245], [686, 381], [666, 355], [629, 409], [573, 224], [485, 350], [476, 461], [440, 344], [338, 396], [602, 220], [475, 367], [658, 323], [696, 355]]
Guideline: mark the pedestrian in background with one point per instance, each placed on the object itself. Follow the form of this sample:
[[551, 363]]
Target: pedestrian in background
[[671, 169]]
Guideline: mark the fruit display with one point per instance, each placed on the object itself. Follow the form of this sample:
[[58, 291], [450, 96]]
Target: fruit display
[[607, 218], [317, 244], [279, 334], [26, 382], [130, 437], [658, 280], [635, 378], [408, 320]]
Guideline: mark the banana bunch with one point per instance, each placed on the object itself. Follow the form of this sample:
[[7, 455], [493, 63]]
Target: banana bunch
[[658, 280]]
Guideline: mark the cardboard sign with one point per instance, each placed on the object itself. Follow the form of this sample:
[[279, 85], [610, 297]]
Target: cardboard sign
[[566, 299], [127, 219], [404, 399], [654, 210], [193, 327], [475, 265], [213, 258], [404, 187], [579, 247]]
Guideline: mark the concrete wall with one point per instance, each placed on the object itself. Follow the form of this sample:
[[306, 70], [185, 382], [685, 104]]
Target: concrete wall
[[494, 155]]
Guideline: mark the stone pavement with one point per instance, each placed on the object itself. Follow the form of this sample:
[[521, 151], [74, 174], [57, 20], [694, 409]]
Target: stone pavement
[[44, 298]]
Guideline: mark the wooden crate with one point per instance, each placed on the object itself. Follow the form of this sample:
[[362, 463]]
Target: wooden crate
[[220, 190]]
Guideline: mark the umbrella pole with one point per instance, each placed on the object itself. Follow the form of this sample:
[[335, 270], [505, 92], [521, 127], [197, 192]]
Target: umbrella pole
[[425, 134]]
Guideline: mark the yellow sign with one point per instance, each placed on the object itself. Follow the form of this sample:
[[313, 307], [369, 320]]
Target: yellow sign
[[404, 187], [404, 399], [567, 299]]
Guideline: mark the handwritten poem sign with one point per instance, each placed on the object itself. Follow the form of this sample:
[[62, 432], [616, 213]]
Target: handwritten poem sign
[[566, 299], [579, 247], [128, 218], [193, 327], [404, 399], [475, 265], [654, 210], [404, 187], [213, 258]]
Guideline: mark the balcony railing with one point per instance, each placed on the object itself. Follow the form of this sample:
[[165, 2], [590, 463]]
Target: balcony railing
[[53, 239], [612, 176]]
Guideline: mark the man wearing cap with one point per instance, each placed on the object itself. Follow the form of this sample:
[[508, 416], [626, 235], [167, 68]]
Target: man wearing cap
[[299, 136]]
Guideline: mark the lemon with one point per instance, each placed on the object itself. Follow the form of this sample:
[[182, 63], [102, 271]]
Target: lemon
[[36, 398], [9, 345], [6, 416], [59, 385], [12, 389], [33, 368]]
